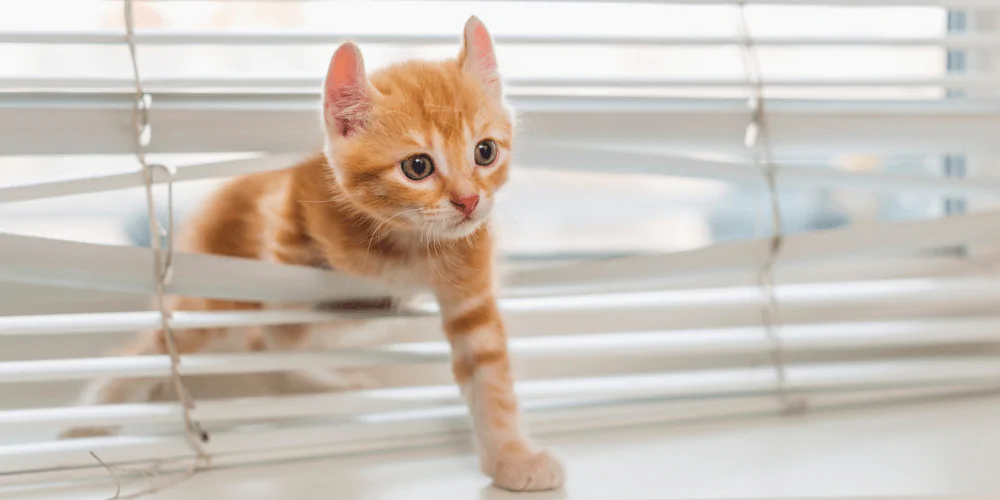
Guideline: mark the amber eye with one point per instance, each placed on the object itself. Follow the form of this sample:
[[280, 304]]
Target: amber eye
[[417, 167], [486, 152]]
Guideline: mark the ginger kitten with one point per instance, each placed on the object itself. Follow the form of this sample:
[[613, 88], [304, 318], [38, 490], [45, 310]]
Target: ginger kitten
[[403, 192]]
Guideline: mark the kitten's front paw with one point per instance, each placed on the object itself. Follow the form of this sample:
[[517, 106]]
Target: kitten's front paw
[[83, 432], [534, 471]]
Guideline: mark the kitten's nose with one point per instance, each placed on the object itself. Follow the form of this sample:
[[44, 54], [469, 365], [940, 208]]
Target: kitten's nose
[[465, 203]]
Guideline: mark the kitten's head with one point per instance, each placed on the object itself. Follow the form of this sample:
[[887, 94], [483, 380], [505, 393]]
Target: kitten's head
[[420, 145]]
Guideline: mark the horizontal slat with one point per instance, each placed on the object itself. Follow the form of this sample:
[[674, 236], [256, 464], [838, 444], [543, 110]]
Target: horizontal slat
[[683, 387], [845, 335], [529, 318], [952, 376], [513, 85], [576, 158], [796, 248], [729, 307], [823, 336], [90, 123], [330, 405], [832, 271], [625, 312], [68, 324], [134, 179], [40, 261], [45, 261], [584, 159], [201, 364], [32, 299], [229, 37]]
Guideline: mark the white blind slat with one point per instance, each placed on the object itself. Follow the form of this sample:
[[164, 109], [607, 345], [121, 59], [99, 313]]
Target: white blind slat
[[36, 260], [746, 254], [119, 268], [81, 123], [112, 182], [616, 347], [230, 37], [514, 86], [554, 316], [576, 158], [689, 385]]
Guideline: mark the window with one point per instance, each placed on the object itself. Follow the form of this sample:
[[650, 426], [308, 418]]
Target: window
[[634, 229]]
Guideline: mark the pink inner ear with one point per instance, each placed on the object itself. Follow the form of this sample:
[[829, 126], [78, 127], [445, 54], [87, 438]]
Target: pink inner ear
[[344, 69], [346, 98], [484, 48]]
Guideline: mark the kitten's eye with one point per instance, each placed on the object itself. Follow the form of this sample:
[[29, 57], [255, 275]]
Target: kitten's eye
[[417, 167], [486, 152]]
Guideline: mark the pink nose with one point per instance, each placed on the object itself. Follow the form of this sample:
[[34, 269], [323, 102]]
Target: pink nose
[[465, 203]]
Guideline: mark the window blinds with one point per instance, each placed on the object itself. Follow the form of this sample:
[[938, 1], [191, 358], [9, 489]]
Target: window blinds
[[862, 314]]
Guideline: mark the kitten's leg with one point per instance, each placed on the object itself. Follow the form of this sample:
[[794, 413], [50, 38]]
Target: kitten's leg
[[141, 390], [482, 370]]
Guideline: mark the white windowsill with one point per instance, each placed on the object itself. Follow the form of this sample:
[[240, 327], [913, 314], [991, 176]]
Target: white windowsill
[[949, 449]]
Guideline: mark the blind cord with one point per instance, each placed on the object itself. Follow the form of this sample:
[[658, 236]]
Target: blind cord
[[162, 253], [758, 140]]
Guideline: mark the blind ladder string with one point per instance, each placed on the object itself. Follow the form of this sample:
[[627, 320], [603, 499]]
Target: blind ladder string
[[162, 252], [758, 140]]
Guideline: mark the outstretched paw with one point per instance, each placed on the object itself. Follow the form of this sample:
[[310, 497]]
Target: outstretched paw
[[533, 471]]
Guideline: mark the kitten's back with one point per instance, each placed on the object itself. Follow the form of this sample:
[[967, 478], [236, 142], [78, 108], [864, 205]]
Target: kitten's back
[[243, 217]]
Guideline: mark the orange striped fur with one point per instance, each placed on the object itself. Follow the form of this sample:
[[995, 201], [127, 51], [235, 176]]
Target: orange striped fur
[[354, 209]]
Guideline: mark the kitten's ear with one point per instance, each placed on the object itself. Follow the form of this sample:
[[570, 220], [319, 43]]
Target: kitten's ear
[[477, 57], [347, 95]]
